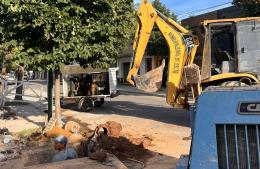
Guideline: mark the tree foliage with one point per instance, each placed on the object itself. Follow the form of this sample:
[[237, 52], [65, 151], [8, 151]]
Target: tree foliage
[[250, 8], [47, 34], [157, 45]]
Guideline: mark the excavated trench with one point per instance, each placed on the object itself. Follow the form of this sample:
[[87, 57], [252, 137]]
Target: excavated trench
[[38, 149]]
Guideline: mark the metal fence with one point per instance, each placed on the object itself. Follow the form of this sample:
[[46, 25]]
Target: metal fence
[[31, 93]]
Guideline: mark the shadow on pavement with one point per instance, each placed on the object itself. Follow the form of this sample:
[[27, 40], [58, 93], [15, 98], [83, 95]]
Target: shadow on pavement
[[24, 110], [127, 108]]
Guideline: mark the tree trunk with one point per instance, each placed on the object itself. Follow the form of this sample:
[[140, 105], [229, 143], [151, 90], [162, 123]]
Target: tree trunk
[[1, 69], [20, 76], [57, 99], [2, 66]]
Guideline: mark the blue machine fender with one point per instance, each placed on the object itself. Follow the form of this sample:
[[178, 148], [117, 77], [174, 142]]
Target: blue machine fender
[[222, 107]]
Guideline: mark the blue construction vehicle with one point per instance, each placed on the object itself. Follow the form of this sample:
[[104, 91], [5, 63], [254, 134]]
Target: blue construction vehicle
[[226, 132]]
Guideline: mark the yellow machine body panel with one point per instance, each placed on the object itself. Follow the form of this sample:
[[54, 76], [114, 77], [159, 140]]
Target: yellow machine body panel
[[231, 76], [146, 15]]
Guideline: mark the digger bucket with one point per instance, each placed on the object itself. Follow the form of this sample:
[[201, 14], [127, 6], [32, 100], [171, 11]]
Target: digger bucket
[[150, 81]]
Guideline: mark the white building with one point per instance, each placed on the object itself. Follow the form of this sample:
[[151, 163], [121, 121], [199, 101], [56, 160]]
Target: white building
[[123, 62]]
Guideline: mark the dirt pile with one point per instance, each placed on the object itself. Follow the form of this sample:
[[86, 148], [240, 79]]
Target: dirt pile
[[108, 138], [9, 154], [111, 128], [106, 142], [144, 141], [124, 149]]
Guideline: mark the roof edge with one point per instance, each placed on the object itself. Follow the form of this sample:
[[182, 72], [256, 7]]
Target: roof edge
[[206, 22]]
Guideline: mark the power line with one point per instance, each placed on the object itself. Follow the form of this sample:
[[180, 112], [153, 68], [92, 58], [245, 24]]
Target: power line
[[201, 10]]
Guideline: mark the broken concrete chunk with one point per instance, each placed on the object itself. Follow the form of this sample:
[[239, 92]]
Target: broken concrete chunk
[[7, 139], [2, 157], [115, 161], [72, 127], [75, 138]]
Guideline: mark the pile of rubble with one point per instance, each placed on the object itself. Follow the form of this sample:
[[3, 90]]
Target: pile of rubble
[[106, 144], [8, 148]]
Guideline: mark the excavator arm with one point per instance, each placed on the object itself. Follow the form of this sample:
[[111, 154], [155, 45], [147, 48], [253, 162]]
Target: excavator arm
[[146, 16], [182, 49]]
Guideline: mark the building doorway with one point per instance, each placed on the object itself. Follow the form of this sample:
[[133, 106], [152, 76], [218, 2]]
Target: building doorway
[[126, 67], [148, 64]]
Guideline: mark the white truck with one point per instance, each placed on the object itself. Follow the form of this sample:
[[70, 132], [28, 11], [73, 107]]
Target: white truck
[[87, 86]]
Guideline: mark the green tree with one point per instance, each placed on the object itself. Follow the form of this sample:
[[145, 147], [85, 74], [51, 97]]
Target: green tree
[[157, 45], [249, 8], [51, 33]]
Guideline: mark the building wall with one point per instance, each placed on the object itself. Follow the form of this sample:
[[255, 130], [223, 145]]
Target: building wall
[[142, 70], [40, 75], [120, 62]]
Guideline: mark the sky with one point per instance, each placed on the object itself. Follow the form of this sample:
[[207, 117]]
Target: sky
[[186, 8]]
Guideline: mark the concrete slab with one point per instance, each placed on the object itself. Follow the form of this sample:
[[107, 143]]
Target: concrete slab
[[161, 162], [81, 163], [12, 164]]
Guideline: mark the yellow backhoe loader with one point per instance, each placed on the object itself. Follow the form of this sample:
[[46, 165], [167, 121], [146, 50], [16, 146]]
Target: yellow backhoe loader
[[231, 55]]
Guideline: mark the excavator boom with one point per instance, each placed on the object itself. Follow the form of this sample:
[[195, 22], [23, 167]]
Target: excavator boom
[[182, 48], [146, 16]]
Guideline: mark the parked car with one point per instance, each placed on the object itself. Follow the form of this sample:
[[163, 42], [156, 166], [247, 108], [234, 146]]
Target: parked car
[[11, 79]]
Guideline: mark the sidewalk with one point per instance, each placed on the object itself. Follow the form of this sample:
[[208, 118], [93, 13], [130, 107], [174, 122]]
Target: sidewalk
[[125, 88]]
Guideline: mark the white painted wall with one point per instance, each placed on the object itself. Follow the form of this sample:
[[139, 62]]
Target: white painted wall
[[120, 62], [143, 65], [113, 80]]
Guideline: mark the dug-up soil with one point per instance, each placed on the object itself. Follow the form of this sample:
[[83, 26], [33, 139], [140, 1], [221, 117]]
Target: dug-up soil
[[37, 149], [123, 146]]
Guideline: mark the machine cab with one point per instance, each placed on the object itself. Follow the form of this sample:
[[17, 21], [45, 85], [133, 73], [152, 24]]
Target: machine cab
[[231, 46]]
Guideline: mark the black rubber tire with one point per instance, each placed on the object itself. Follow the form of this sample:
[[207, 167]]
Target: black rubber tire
[[85, 104], [99, 103]]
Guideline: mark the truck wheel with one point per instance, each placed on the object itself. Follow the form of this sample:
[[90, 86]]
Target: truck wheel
[[99, 102], [85, 104]]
